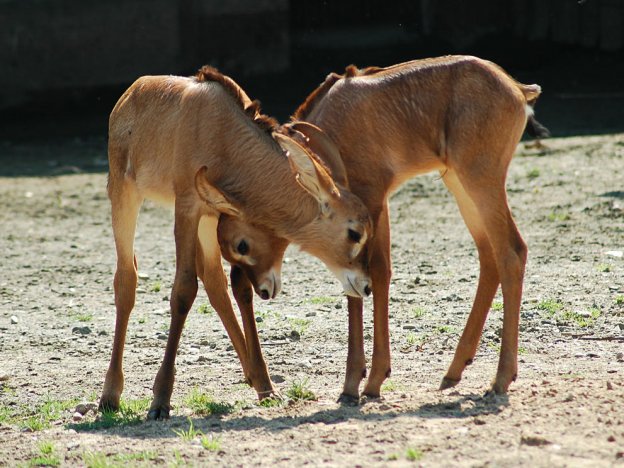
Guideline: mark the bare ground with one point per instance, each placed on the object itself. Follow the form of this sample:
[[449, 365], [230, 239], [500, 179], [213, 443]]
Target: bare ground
[[565, 409]]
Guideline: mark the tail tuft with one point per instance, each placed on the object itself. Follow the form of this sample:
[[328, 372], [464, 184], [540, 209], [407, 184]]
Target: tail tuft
[[536, 129]]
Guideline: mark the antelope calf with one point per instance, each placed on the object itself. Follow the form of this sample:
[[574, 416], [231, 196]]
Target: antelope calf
[[201, 145], [460, 116]]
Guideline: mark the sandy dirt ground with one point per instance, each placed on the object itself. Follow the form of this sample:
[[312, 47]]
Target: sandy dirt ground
[[565, 409]]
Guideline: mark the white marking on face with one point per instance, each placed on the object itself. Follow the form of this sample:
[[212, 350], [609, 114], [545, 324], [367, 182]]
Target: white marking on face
[[246, 259], [272, 283], [353, 282], [357, 248]]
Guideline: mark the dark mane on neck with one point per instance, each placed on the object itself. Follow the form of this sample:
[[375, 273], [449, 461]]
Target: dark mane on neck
[[351, 71], [252, 110], [304, 109]]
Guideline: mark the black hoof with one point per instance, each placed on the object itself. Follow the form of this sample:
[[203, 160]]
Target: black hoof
[[369, 398], [348, 400], [108, 406], [158, 414], [448, 383]]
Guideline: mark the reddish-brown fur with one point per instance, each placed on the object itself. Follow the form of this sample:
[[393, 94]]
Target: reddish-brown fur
[[461, 116], [203, 146]]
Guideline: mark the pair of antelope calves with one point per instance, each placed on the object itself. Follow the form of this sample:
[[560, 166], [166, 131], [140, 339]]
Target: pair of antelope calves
[[245, 187]]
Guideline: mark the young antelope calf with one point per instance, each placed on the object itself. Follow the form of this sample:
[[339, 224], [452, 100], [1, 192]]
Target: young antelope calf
[[200, 144], [460, 116]]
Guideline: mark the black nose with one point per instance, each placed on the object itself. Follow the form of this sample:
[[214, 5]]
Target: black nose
[[264, 294], [367, 290]]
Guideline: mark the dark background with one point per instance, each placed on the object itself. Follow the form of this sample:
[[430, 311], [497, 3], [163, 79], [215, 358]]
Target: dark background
[[64, 63]]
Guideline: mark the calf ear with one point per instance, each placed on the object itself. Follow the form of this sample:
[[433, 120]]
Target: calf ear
[[212, 195], [309, 173]]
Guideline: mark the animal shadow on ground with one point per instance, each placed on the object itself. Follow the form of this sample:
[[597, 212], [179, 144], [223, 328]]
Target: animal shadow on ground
[[460, 406]]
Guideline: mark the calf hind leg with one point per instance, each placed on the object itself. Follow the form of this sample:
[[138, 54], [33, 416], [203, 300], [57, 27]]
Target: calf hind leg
[[509, 252], [182, 296], [125, 203], [486, 289]]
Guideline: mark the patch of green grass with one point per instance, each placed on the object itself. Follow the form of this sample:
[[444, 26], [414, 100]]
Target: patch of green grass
[[97, 460], [299, 391], [6, 414], [46, 455], [205, 309], [604, 268], [533, 173], [555, 310], [320, 300], [550, 307], [418, 312], [188, 434], [300, 325], [143, 456], [444, 329], [270, 403], [555, 216], [104, 460], [388, 386], [580, 320], [211, 443], [142, 320], [413, 454], [130, 412], [393, 457], [522, 350], [203, 404], [497, 306], [619, 299], [494, 346], [84, 317], [178, 460], [42, 416], [411, 338], [155, 287]]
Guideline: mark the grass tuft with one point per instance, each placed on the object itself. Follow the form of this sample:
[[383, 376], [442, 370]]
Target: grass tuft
[[413, 454], [203, 404], [211, 443], [46, 455], [299, 391], [188, 434], [131, 412]]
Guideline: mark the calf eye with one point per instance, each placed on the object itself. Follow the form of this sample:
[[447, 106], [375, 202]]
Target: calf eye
[[354, 236], [242, 247]]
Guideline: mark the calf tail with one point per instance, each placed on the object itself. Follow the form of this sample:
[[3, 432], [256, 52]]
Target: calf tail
[[536, 129], [533, 127]]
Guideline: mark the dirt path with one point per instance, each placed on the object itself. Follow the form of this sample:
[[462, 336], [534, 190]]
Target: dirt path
[[566, 409]]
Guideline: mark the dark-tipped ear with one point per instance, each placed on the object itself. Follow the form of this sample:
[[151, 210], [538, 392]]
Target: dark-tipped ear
[[309, 173], [319, 142], [212, 195]]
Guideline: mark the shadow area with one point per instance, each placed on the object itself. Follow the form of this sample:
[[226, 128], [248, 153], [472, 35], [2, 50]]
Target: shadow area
[[54, 156], [457, 407]]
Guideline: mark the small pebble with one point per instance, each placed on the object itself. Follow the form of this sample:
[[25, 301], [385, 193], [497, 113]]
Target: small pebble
[[13, 320], [77, 416], [81, 330], [259, 319]]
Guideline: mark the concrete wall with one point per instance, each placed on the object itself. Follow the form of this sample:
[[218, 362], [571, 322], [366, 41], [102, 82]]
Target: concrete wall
[[47, 45]]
